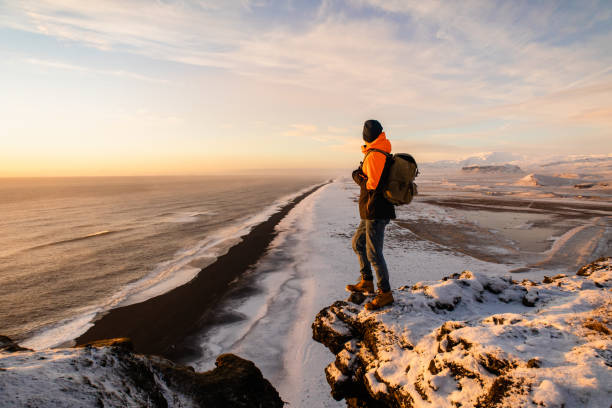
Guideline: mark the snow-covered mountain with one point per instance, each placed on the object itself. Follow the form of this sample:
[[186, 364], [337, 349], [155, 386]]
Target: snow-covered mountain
[[492, 158], [489, 159]]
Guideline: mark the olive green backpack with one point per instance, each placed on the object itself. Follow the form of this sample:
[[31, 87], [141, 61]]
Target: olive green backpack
[[399, 187]]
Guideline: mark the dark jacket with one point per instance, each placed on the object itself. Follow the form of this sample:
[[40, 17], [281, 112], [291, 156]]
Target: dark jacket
[[372, 203]]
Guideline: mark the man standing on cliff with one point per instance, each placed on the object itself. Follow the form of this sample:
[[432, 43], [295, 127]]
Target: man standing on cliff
[[375, 212]]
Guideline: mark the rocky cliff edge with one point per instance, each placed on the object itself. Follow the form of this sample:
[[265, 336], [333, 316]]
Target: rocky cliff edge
[[472, 340], [108, 374]]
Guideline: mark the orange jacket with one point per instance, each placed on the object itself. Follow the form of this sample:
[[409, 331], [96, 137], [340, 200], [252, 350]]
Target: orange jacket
[[374, 164]]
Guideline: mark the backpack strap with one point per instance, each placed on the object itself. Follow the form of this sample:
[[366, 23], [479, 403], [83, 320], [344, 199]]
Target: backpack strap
[[377, 150]]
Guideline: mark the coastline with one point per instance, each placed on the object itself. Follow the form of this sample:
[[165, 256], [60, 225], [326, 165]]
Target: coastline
[[162, 325]]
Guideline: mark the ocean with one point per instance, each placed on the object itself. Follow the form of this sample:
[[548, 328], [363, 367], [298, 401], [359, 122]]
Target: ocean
[[71, 248]]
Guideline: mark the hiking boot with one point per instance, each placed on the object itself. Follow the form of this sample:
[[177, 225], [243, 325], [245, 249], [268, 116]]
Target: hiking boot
[[381, 299], [364, 286]]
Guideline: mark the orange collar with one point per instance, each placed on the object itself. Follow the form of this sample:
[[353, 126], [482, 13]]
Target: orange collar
[[381, 143]]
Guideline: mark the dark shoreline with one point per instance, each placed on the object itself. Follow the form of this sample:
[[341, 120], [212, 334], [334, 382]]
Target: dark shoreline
[[163, 324]]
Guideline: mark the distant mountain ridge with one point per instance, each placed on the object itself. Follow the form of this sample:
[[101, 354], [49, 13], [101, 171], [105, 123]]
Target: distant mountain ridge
[[484, 159], [492, 158], [508, 158], [506, 168], [579, 160]]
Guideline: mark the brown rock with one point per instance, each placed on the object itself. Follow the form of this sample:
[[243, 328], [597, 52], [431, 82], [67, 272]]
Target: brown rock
[[7, 344]]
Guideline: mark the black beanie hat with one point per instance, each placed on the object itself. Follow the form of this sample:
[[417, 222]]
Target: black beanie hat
[[371, 130]]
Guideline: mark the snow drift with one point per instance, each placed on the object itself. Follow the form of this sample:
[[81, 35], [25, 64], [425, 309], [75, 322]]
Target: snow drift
[[473, 340]]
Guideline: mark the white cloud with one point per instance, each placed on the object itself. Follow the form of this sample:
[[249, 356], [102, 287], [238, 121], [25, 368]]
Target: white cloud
[[496, 62], [454, 64]]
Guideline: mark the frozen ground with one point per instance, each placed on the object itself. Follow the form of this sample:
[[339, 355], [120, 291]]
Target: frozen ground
[[535, 228], [488, 226]]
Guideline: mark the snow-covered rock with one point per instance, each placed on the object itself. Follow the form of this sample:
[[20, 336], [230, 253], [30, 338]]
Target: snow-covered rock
[[533, 180], [473, 340], [109, 374]]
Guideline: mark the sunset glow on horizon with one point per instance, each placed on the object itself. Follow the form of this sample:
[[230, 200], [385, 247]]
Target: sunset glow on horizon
[[207, 87]]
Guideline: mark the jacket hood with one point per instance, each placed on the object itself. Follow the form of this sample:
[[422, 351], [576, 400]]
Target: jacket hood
[[380, 143]]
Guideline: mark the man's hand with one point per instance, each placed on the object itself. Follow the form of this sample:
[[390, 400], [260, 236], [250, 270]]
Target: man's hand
[[359, 177]]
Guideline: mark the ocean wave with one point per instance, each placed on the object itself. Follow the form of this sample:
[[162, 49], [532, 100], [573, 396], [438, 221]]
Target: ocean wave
[[183, 217], [76, 239]]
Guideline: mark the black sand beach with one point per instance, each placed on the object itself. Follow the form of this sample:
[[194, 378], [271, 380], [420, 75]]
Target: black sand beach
[[162, 324]]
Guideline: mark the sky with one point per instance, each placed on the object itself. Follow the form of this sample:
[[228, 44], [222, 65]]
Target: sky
[[115, 87]]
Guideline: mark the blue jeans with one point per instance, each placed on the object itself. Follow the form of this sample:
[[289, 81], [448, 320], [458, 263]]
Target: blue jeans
[[368, 245]]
